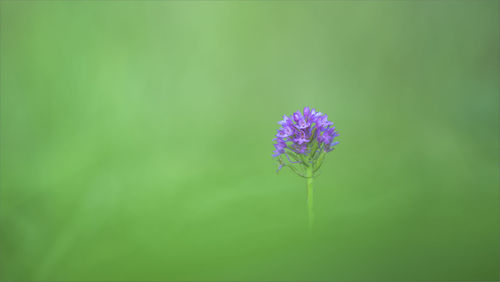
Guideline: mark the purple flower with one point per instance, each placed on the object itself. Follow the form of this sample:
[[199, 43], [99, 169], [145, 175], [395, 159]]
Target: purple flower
[[284, 132], [279, 146], [300, 138], [304, 137], [323, 122]]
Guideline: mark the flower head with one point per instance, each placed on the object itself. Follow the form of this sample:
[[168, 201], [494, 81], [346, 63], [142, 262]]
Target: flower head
[[303, 140]]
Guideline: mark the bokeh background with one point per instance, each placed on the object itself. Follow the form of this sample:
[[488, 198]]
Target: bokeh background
[[136, 140]]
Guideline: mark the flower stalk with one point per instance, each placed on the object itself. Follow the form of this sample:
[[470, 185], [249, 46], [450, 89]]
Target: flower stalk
[[310, 198]]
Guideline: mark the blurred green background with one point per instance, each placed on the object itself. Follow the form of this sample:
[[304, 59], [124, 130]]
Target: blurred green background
[[136, 140]]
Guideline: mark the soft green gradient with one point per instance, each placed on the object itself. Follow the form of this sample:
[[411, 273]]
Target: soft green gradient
[[136, 140]]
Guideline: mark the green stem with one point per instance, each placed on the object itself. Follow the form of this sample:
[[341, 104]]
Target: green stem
[[310, 199]]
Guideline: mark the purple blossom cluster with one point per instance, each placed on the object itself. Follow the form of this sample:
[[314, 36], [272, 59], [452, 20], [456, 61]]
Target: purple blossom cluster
[[305, 135]]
